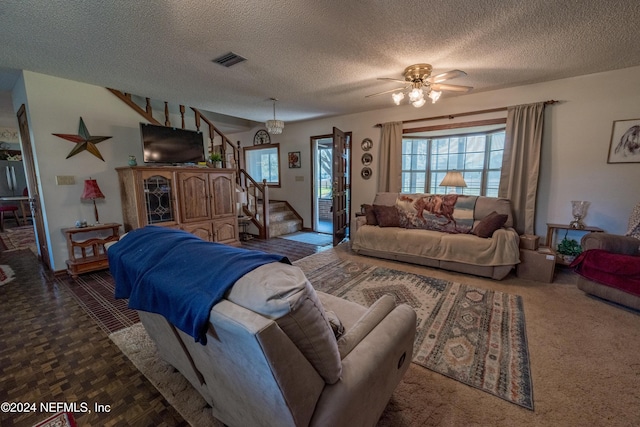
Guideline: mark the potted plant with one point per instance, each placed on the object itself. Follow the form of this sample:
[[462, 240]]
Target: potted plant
[[216, 160], [569, 249]]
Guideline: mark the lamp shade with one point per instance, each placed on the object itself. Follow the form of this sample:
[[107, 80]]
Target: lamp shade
[[91, 190], [453, 179]]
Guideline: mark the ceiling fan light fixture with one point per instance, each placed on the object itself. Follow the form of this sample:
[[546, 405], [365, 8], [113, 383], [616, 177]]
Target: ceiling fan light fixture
[[274, 126], [416, 95], [419, 103], [397, 97], [434, 95]]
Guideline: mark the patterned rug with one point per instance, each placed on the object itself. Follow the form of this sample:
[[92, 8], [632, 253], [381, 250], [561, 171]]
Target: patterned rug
[[18, 238], [6, 274], [472, 335], [61, 419]]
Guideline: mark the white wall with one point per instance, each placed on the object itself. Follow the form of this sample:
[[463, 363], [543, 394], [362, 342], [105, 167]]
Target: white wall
[[575, 145], [55, 105]]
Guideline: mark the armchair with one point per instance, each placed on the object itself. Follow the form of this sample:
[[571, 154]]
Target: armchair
[[609, 268]]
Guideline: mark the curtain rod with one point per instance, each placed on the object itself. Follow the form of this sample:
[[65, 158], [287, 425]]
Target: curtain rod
[[469, 113]]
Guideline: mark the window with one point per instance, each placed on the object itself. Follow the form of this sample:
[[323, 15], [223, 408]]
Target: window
[[478, 156], [262, 162]]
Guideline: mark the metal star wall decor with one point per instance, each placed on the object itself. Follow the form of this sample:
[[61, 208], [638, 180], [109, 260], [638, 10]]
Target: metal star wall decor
[[84, 141]]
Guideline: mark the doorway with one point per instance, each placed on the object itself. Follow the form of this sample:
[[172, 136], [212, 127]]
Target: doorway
[[323, 181], [33, 187]]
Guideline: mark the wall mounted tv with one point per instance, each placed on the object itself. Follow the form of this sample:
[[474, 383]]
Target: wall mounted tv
[[163, 144]]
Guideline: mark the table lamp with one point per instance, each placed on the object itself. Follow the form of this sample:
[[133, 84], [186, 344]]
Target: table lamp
[[92, 192], [453, 179]]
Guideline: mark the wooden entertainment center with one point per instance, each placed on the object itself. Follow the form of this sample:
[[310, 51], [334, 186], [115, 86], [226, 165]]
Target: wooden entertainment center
[[199, 200]]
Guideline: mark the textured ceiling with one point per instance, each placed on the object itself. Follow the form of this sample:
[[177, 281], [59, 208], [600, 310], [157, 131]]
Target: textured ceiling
[[319, 57]]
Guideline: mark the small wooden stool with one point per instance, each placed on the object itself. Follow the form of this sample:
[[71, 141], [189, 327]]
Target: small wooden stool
[[8, 208]]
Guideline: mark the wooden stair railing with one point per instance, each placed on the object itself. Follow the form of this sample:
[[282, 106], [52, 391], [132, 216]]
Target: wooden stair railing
[[243, 179], [256, 192], [214, 133]]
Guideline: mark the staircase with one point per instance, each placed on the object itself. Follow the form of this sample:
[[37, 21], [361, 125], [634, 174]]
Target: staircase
[[282, 219]]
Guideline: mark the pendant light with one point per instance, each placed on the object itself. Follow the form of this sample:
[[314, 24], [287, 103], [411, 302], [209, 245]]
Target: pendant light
[[274, 126]]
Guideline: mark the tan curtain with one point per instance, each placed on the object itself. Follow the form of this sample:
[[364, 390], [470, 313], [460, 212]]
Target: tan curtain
[[390, 166], [521, 162]]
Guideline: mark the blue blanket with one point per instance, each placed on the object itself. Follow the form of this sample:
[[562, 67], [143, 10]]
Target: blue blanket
[[178, 275]]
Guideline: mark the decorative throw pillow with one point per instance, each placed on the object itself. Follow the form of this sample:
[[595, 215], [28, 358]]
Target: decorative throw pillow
[[387, 216], [370, 214], [489, 224]]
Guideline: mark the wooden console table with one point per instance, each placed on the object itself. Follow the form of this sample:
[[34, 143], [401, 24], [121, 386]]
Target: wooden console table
[[87, 253], [551, 230]]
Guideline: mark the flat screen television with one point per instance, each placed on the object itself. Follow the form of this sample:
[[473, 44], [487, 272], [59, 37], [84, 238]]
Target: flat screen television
[[163, 144]]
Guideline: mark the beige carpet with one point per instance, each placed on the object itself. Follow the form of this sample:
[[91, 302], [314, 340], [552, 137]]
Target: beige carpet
[[585, 362]]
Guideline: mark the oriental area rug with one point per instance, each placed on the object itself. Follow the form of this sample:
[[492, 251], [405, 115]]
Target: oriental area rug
[[471, 335], [17, 238]]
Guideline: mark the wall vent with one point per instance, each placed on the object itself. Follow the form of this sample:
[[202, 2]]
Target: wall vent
[[229, 59]]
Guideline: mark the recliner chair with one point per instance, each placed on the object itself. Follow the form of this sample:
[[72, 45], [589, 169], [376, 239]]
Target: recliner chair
[[279, 353]]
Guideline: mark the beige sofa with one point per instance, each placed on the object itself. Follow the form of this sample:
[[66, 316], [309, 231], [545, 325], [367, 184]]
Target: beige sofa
[[278, 353], [492, 257]]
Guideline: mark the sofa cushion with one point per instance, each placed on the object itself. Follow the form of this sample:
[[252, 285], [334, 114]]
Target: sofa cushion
[[489, 224], [370, 214], [387, 216], [283, 293]]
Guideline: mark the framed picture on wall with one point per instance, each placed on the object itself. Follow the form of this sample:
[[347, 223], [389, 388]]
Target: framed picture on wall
[[625, 142], [294, 159]]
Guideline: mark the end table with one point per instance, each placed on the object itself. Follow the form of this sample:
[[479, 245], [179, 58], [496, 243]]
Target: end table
[[86, 247]]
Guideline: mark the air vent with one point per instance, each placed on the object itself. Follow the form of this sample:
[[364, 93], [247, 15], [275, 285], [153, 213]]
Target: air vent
[[229, 59]]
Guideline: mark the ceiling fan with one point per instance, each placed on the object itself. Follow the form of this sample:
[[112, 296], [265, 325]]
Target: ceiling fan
[[419, 82]]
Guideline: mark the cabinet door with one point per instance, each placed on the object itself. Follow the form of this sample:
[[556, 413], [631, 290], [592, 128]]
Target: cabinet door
[[223, 193], [225, 230], [159, 197], [203, 230], [195, 202]]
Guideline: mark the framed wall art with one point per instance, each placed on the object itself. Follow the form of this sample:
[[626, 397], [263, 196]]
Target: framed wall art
[[625, 142], [294, 159]]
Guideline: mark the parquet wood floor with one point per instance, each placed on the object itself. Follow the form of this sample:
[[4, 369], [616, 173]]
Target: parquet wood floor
[[54, 347]]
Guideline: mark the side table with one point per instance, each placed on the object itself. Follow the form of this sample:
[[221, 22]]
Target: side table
[[86, 247], [551, 231]]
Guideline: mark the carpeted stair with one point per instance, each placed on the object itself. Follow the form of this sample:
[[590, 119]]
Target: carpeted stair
[[281, 219]]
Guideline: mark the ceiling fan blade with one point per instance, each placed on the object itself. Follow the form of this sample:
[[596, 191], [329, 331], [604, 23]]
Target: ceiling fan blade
[[446, 76], [389, 79], [399, 89], [451, 88]]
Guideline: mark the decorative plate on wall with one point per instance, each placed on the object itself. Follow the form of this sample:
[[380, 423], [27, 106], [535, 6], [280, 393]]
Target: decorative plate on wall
[[366, 173], [367, 158], [366, 144]]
